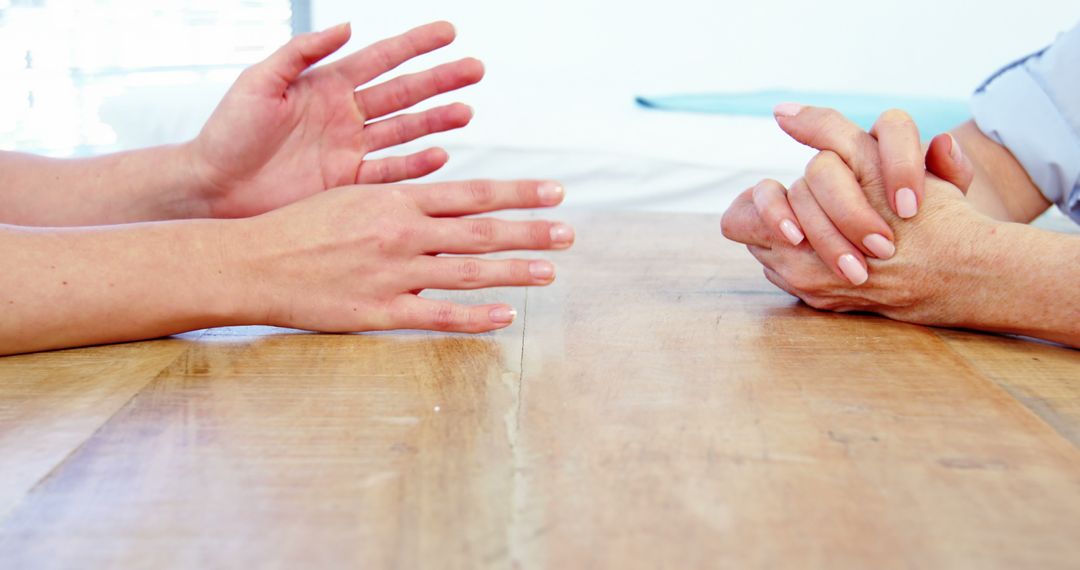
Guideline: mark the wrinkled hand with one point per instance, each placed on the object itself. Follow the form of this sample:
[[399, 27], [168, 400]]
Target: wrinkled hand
[[935, 274], [284, 132], [356, 258], [889, 155]]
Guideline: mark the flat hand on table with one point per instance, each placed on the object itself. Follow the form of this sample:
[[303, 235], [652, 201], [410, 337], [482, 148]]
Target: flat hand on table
[[284, 132], [355, 258]]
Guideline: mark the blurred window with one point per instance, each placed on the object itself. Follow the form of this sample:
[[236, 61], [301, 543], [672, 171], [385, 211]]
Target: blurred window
[[59, 59]]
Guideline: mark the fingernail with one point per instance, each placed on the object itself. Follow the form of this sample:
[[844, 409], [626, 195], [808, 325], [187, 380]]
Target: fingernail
[[541, 270], [955, 151], [879, 245], [791, 232], [787, 109], [502, 315], [906, 203], [561, 235], [550, 193], [852, 269], [340, 26]]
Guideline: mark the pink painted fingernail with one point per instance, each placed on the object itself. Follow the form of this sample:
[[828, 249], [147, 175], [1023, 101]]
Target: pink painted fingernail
[[541, 270], [787, 109], [852, 269], [880, 246], [502, 315], [562, 235], [550, 193], [791, 232], [907, 205]]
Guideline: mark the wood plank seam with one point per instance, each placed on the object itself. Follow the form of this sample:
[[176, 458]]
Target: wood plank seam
[[521, 359], [74, 450], [1001, 390]]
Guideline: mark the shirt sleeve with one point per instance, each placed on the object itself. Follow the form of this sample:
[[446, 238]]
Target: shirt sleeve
[[1032, 108]]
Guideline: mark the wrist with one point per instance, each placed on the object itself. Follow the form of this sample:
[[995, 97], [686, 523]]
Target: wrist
[[1001, 187], [237, 267], [1020, 288], [203, 189]]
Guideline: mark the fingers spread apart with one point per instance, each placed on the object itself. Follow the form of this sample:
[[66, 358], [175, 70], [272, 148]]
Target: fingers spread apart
[[405, 128], [408, 90], [385, 55], [398, 168]]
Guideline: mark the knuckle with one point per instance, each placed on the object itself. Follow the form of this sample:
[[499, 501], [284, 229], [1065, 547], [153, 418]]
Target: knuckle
[[394, 234], [402, 132], [481, 192], [445, 317], [482, 231], [822, 164], [800, 190], [469, 271], [903, 163], [727, 225], [762, 189], [895, 117]]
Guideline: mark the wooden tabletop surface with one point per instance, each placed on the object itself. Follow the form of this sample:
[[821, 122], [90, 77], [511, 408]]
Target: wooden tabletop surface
[[660, 406]]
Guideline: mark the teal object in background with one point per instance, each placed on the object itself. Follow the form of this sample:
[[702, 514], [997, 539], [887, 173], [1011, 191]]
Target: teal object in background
[[933, 116]]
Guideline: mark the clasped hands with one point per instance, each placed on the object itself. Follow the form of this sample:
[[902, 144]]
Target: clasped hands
[[867, 228]]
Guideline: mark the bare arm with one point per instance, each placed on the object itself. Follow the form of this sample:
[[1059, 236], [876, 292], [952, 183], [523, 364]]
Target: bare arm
[[151, 184], [70, 287], [1030, 289], [349, 259], [282, 133], [1001, 187]]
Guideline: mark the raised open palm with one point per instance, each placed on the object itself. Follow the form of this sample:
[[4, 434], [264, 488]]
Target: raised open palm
[[284, 132]]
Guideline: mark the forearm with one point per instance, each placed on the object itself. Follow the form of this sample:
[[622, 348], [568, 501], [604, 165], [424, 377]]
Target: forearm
[[72, 287], [1032, 288], [142, 185], [1001, 188]]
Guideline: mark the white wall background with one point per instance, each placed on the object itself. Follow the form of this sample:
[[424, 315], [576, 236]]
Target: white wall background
[[562, 75], [936, 47], [557, 100]]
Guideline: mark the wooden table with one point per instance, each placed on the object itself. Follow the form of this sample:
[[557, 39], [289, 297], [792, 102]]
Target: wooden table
[[660, 406]]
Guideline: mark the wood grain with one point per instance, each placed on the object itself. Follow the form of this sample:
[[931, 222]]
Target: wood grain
[[1044, 377], [660, 406], [51, 403]]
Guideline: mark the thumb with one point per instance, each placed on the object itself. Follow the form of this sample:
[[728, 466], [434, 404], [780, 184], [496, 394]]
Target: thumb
[[290, 60], [946, 160]]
